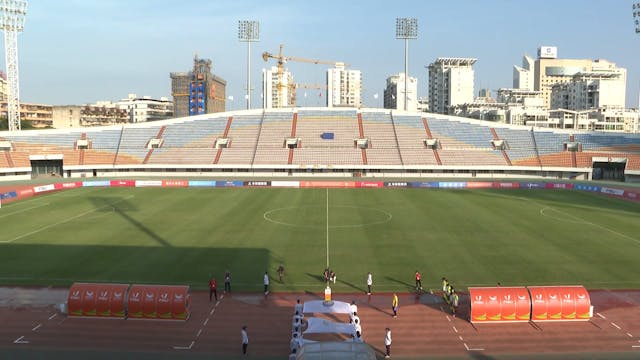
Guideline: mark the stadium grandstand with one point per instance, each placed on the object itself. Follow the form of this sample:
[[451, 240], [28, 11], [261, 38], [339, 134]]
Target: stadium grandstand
[[320, 142]]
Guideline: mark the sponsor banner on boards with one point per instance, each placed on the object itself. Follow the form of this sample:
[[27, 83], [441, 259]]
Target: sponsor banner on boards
[[148, 183], [122, 183], [257, 183], [71, 185], [532, 185], [175, 183], [44, 188], [422, 184], [202, 183], [8, 195], [612, 191], [229, 184], [398, 184], [583, 187], [293, 184], [106, 183]]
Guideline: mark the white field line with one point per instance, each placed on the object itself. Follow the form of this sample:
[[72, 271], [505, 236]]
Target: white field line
[[23, 210], [63, 221]]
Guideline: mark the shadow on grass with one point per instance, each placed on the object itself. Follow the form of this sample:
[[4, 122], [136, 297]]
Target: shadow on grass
[[353, 286], [409, 287]]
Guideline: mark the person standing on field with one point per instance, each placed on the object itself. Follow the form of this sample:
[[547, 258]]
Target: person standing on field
[[418, 281], [245, 339], [387, 342], [227, 281], [394, 305], [455, 301], [266, 283], [280, 272], [369, 283], [213, 289]]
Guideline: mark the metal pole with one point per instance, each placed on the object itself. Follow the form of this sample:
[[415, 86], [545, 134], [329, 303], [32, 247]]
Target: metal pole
[[248, 74], [406, 72]]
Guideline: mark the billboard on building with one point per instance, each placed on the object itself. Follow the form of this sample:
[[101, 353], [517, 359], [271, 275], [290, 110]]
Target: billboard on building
[[547, 52]]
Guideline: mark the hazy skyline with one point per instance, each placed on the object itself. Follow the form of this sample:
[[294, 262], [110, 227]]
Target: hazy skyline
[[82, 51]]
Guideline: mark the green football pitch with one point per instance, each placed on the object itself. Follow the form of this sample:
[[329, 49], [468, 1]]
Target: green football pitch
[[184, 236]]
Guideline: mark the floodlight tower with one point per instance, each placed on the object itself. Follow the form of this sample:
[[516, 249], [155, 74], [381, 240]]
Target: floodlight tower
[[12, 14], [636, 21], [248, 31], [406, 28]]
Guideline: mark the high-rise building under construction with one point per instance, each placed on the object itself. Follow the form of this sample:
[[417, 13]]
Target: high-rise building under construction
[[198, 91]]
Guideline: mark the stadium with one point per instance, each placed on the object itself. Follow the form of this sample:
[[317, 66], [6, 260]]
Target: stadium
[[177, 202]]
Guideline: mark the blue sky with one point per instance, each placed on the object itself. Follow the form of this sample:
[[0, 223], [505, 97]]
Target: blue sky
[[81, 51]]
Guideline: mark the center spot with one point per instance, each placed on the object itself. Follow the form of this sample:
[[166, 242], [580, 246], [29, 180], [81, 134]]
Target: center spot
[[315, 216]]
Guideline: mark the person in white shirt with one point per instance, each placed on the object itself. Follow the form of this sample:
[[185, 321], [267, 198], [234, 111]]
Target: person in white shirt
[[358, 337], [353, 307], [245, 340], [298, 307], [293, 355], [369, 283], [294, 344], [266, 283], [387, 342], [357, 326]]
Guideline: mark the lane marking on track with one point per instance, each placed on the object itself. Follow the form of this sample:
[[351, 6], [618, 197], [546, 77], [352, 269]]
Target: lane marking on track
[[205, 322], [635, 346], [602, 316], [460, 337], [616, 326], [52, 316], [199, 332], [454, 329], [20, 341], [37, 327], [212, 310], [476, 349], [629, 335], [448, 318]]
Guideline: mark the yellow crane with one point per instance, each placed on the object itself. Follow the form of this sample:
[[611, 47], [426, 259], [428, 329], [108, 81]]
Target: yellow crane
[[282, 59]]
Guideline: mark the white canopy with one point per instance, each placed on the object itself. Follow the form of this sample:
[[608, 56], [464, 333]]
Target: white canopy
[[320, 307], [325, 350], [317, 326]]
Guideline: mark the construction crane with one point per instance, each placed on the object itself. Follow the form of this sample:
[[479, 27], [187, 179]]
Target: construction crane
[[282, 59]]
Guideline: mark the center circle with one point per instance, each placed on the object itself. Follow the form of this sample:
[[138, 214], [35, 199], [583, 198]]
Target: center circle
[[315, 216]]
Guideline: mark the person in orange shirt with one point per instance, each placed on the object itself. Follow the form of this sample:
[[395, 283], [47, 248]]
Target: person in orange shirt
[[213, 289], [418, 281], [394, 305]]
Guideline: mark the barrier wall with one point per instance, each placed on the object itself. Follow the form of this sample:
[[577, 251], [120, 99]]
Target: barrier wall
[[560, 303], [159, 302], [499, 304], [101, 300], [536, 303]]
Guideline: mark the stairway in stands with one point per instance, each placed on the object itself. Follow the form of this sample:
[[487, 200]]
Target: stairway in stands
[[224, 136], [504, 152], [294, 123], [81, 155], [159, 136], [429, 136], [574, 161], [361, 130]]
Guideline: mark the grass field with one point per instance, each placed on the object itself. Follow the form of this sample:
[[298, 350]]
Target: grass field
[[178, 236]]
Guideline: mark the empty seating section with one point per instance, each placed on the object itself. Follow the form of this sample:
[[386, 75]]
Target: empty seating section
[[520, 145], [383, 147], [189, 142], [276, 127], [617, 142], [314, 150], [471, 135], [244, 137], [411, 134], [133, 144], [259, 139]]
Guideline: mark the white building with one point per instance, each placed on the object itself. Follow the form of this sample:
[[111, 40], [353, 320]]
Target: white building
[[277, 93], [451, 82], [523, 76], [603, 86], [394, 93], [143, 109], [344, 87]]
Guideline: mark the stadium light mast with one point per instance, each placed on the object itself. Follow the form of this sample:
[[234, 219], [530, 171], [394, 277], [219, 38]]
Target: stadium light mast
[[248, 31], [406, 28], [12, 14], [636, 21]]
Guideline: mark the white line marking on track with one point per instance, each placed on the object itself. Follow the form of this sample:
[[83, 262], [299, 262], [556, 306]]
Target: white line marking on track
[[184, 347], [466, 347], [635, 346], [602, 316], [629, 335], [218, 302], [454, 329], [616, 326], [20, 341], [37, 327], [476, 349], [448, 318], [52, 316], [460, 337], [212, 310], [205, 322], [199, 332]]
